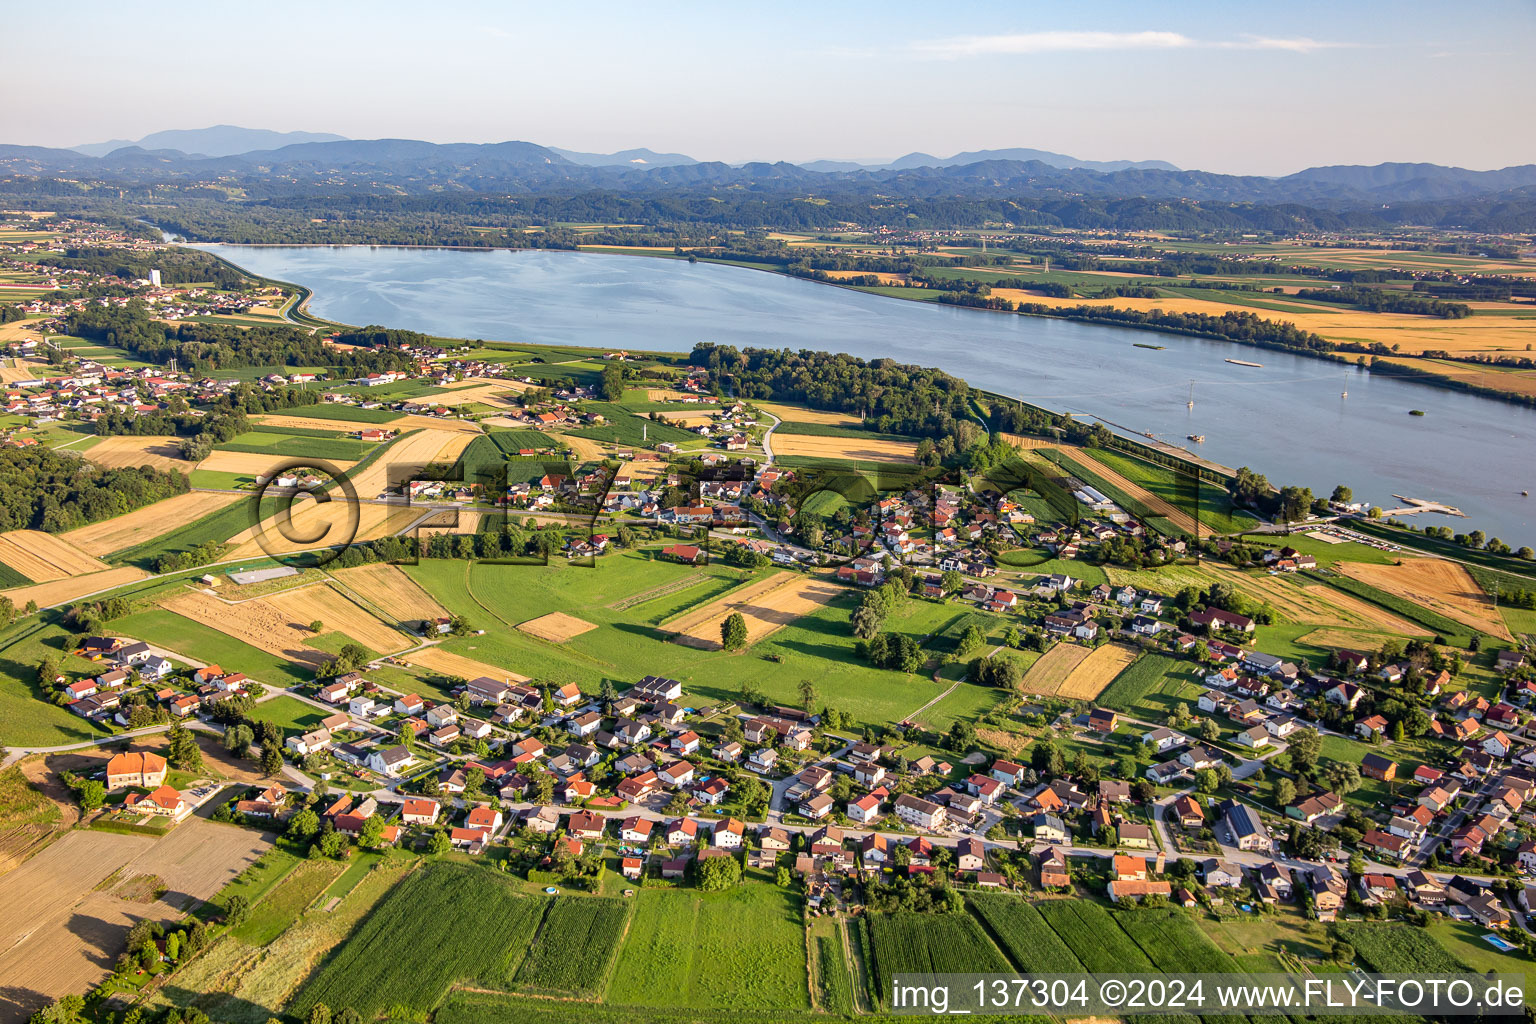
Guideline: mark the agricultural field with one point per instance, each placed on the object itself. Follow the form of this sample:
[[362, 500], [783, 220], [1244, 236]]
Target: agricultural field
[[1092, 935], [298, 889], [145, 524], [1172, 941], [242, 984], [256, 623], [44, 557], [329, 415], [853, 449], [743, 949], [1398, 948], [304, 605], [1055, 666], [626, 428], [268, 440], [447, 663], [1133, 497], [1096, 671], [1318, 604], [182, 634], [929, 944], [132, 450], [63, 591], [1152, 685], [556, 627], [256, 465], [576, 946], [1441, 586], [799, 414], [386, 588], [625, 591], [473, 922], [65, 922], [767, 605], [1022, 933]]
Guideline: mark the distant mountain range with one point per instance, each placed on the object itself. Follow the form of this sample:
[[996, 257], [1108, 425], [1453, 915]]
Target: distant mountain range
[[220, 140], [288, 162]]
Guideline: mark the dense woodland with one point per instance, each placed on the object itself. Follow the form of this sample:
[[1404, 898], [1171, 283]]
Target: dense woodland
[[176, 266], [44, 490], [202, 347]]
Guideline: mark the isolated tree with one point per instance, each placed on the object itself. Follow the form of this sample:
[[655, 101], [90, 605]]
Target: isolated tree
[[372, 834], [1285, 792], [235, 909], [317, 626], [718, 873], [439, 843], [733, 632], [271, 759], [304, 824], [808, 695]]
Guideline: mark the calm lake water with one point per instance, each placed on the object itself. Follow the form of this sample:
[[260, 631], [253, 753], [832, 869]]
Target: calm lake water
[[1286, 419]]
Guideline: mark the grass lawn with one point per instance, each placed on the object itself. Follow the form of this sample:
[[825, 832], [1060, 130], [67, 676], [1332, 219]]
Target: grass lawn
[[288, 712], [1464, 941], [26, 719], [625, 647], [169, 630]]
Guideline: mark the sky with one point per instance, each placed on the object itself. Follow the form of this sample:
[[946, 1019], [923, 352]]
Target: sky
[[1235, 87]]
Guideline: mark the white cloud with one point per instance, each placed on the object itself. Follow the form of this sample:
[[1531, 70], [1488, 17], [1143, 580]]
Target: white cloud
[[1013, 44], [1301, 44], [1051, 42]]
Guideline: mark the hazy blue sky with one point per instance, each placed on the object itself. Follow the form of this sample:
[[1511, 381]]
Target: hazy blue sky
[[1237, 87]]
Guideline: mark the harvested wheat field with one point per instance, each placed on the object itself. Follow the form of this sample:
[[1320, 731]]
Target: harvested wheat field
[[24, 370], [64, 591], [795, 414], [302, 422], [309, 530], [885, 278], [1317, 604], [452, 520], [556, 627], [260, 465], [583, 448], [253, 622], [1097, 671], [147, 523], [668, 395], [446, 425], [486, 394], [315, 524], [61, 934], [435, 659], [390, 590], [126, 450], [340, 613], [1047, 675], [768, 605], [1438, 585], [41, 557], [852, 448]]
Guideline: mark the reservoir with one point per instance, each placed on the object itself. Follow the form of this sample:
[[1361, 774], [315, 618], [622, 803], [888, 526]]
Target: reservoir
[[1286, 418]]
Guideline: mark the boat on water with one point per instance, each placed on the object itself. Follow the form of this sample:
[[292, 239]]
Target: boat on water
[[1243, 362], [1197, 438], [1148, 433], [1343, 394]]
